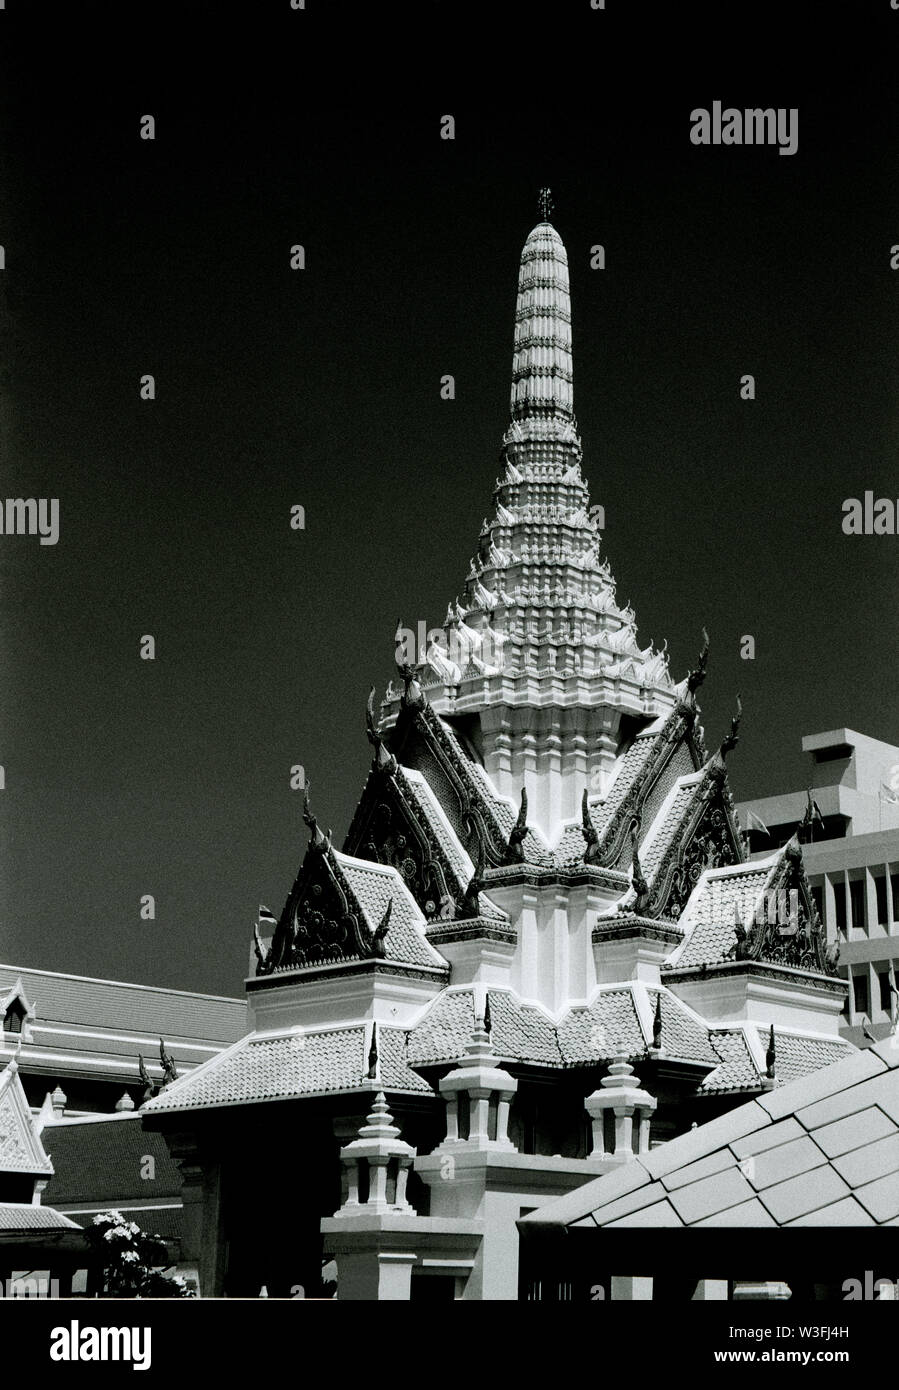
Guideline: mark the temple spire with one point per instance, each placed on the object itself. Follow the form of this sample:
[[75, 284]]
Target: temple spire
[[541, 365]]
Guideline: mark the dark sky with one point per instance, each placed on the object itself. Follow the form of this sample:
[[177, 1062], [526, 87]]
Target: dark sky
[[321, 387]]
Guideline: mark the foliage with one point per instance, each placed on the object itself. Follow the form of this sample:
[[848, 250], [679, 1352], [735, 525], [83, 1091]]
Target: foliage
[[132, 1260]]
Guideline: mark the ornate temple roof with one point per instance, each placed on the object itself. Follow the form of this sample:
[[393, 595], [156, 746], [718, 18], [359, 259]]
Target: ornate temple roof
[[539, 797], [297, 1064], [538, 621]]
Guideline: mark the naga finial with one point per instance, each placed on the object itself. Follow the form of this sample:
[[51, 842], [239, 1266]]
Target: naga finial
[[371, 727], [470, 902], [770, 1056], [413, 695], [545, 207], [657, 1024], [638, 882], [697, 675], [588, 830], [308, 817], [377, 941], [170, 1071], [373, 1060], [811, 814], [515, 849], [146, 1078], [262, 955], [731, 739]]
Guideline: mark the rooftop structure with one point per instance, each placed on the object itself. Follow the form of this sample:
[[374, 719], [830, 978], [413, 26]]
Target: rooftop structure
[[544, 886]]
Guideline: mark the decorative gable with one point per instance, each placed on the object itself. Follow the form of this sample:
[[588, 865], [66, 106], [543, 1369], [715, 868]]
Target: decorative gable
[[21, 1150], [15, 1012]]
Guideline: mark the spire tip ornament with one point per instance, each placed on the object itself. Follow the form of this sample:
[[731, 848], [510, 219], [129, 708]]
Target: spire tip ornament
[[545, 206]]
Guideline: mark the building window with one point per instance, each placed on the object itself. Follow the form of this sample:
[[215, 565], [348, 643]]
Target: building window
[[860, 994], [880, 889], [15, 1016], [883, 979], [894, 885], [839, 903], [857, 903]]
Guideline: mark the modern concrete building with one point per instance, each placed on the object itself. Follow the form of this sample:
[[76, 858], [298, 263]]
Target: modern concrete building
[[852, 862]]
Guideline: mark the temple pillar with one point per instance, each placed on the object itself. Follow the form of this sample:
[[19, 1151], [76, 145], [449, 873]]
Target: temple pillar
[[202, 1229]]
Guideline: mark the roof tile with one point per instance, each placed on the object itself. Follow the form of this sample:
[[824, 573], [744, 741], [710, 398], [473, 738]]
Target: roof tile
[[798, 1196], [852, 1132]]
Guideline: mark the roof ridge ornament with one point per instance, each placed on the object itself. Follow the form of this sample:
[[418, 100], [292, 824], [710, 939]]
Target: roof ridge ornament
[[698, 674], [731, 739], [377, 941], [374, 1061], [638, 882], [470, 902], [413, 696], [514, 853], [169, 1070], [588, 830]]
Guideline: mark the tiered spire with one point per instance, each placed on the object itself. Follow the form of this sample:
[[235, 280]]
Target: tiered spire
[[538, 623], [542, 373]]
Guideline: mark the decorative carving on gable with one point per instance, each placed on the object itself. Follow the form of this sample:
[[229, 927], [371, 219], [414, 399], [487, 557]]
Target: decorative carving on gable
[[14, 1152], [320, 923], [706, 838], [710, 847], [785, 938], [677, 727], [389, 828]]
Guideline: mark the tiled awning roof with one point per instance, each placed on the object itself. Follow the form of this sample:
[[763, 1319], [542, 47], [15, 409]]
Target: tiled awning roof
[[822, 1151], [287, 1067]]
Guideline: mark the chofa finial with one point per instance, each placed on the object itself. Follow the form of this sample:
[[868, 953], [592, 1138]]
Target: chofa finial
[[545, 206]]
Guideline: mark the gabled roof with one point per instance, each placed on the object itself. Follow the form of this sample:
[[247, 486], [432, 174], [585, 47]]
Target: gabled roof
[[266, 1067], [374, 886], [618, 1018], [117, 1004], [103, 1159], [708, 921], [21, 1150], [19, 1216], [730, 916], [13, 992], [822, 1151]]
